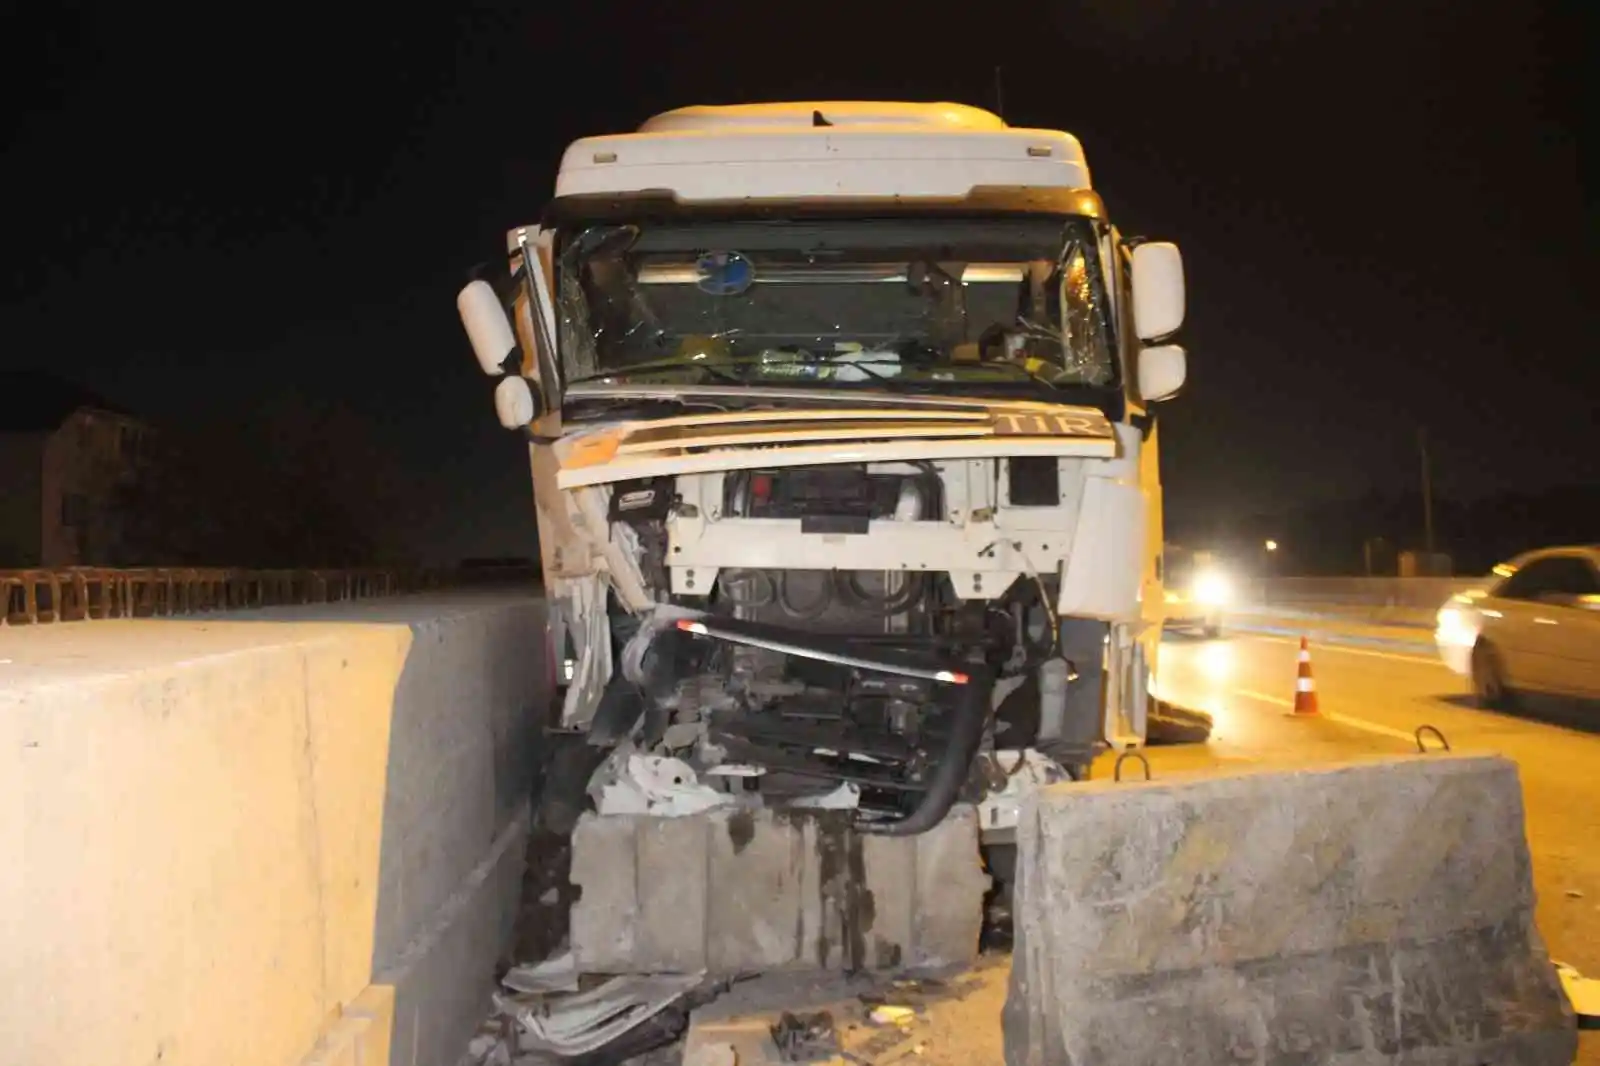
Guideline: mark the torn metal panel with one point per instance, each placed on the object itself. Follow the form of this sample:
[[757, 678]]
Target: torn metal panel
[[588, 1021], [578, 613]]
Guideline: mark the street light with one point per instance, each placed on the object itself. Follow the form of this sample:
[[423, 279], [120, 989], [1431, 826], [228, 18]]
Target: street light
[[1272, 545]]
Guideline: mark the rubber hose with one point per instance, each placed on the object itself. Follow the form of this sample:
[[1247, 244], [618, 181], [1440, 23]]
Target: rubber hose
[[966, 733]]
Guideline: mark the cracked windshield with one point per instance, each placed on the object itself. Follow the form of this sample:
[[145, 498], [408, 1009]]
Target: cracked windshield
[[879, 303]]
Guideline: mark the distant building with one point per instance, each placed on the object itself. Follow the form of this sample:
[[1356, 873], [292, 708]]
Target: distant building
[[63, 452]]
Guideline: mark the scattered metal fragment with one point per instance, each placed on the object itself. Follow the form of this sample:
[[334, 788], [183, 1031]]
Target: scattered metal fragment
[[557, 974], [584, 1022], [807, 1037]]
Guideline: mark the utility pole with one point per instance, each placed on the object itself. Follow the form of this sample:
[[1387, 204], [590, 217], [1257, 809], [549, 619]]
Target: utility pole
[[1427, 490], [999, 95]]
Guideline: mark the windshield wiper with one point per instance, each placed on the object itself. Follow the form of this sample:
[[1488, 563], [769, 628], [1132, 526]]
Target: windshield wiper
[[712, 369], [1014, 368], [843, 359], [660, 366]]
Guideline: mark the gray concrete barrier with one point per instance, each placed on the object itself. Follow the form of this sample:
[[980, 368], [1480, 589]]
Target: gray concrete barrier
[[287, 836], [733, 892], [1369, 913], [1401, 593]]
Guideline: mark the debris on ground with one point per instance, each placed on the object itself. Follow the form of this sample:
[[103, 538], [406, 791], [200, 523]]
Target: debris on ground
[[549, 1015], [892, 1015], [621, 1017], [1583, 993], [806, 1037], [558, 974]]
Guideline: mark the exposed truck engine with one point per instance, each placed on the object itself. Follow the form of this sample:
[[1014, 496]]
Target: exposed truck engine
[[844, 456]]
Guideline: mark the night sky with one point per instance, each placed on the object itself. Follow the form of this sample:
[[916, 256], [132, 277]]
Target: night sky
[[1380, 205]]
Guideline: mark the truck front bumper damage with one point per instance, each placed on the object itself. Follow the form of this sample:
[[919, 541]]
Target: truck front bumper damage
[[969, 687]]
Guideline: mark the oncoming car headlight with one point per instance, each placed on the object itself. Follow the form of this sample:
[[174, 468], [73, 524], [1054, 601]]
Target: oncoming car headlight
[[1212, 590]]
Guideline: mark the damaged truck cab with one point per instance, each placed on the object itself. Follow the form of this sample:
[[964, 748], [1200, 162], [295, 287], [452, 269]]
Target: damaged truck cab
[[844, 457]]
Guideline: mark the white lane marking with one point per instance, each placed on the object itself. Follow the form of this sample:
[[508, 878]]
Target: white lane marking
[[1372, 727], [1263, 697], [1342, 719], [1346, 650]]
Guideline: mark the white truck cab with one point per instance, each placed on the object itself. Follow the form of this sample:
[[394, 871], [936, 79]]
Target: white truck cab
[[844, 455]]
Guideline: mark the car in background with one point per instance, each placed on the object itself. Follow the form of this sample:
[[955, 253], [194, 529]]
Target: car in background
[[1533, 629], [1198, 590]]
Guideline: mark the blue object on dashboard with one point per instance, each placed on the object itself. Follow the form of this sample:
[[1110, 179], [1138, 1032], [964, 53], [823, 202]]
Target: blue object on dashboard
[[724, 273]]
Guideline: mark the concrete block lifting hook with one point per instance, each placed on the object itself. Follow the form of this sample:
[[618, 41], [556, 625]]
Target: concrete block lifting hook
[[1131, 753], [1422, 747]]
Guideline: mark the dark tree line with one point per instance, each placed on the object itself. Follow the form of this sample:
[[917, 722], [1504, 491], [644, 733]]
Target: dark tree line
[[1331, 538], [297, 486]]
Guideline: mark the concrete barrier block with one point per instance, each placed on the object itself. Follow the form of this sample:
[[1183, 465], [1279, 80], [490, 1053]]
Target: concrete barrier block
[[375, 1005], [246, 812], [895, 898], [465, 714], [164, 831], [340, 1045], [442, 982], [950, 876], [1367, 913], [605, 917], [673, 908], [349, 688], [756, 897], [734, 891]]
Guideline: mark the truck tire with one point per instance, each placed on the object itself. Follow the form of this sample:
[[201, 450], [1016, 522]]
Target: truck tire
[[564, 795], [1000, 860], [1176, 725]]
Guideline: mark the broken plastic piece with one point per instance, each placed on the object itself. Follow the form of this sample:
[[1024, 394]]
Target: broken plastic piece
[[1583, 993], [659, 785], [558, 974], [844, 798], [888, 1014]]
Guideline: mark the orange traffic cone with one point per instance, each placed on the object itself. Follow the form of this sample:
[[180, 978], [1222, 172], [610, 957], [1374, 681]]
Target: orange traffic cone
[[1305, 689]]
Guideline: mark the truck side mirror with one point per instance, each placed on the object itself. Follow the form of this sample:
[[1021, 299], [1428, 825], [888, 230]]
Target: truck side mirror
[[1158, 296], [493, 340], [515, 402], [1162, 371]]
